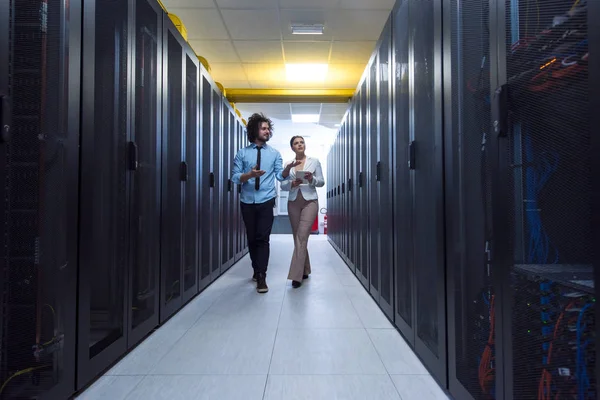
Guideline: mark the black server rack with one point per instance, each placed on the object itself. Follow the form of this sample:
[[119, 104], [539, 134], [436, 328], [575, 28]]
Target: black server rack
[[39, 158], [172, 189], [190, 176], [206, 181], [216, 213], [471, 295], [383, 174], [120, 178], [225, 182], [543, 193], [373, 216], [494, 200]]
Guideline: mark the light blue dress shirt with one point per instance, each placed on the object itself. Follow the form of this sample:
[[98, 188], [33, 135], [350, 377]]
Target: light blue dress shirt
[[270, 162]]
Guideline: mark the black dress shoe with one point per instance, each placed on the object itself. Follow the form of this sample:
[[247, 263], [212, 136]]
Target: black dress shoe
[[304, 276], [261, 283], [296, 284]]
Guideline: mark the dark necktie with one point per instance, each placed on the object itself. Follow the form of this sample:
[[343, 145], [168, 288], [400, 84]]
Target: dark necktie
[[257, 180]]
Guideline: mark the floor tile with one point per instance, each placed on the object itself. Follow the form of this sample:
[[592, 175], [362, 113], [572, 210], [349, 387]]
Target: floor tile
[[419, 387], [111, 388], [330, 387], [219, 352], [200, 387], [395, 353], [324, 351], [147, 354]]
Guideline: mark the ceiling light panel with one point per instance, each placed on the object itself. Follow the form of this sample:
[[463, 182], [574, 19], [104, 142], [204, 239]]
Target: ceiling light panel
[[305, 118], [307, 29], [306, 72]]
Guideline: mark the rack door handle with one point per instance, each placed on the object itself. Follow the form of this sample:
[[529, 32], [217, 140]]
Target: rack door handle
[[183, 171], [211, 180], [132, 150], [5, 118]]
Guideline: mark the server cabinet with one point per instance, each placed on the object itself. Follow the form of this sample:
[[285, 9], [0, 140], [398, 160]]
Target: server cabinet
[[354, 186], [227, 144], [402, 178], [120, 178], [172, 171], [372, 165], [39, 162], [206, 182], [363, 208], [189, 175], [426, 135], [543, 200], [471, 295], [216, 208], [383, 176]]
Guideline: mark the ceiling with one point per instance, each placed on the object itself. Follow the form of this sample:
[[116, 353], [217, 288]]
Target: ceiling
[[330, 114], [248, 42]]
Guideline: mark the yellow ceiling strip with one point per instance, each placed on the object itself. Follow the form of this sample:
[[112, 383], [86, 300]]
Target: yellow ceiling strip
[[179, 25], [289, 95]]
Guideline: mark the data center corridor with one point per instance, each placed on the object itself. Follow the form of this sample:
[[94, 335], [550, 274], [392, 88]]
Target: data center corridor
[[325, 340]]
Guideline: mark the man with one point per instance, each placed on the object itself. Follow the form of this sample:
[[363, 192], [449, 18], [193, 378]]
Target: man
[[256, 167]]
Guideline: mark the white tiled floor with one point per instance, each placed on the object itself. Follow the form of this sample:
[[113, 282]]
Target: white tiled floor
[[325, 340]]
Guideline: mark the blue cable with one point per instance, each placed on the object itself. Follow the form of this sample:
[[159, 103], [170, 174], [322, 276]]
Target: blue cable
[[537, 174]]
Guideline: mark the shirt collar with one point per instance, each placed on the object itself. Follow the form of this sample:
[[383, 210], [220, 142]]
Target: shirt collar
[[253, 145]]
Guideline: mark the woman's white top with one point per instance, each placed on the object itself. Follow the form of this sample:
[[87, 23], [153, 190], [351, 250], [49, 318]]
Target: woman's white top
[[309, 191]]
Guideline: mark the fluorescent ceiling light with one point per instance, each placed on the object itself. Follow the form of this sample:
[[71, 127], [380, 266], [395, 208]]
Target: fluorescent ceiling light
[[338, 125], [307, 29], [306, 118], [306, 72]]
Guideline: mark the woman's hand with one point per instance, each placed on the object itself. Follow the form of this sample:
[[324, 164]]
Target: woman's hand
[[296, 183], [309, 176]]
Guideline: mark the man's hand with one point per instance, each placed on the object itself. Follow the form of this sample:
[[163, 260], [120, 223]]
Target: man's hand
[[296, 182], [255, 172], [293, 164]]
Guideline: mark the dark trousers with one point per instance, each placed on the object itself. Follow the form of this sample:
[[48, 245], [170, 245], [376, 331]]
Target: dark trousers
[[258, 219]]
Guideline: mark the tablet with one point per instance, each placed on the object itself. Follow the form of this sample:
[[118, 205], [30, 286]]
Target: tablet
[[302, 175]]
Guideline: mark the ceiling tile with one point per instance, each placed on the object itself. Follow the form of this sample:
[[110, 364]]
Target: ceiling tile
[[308, 3], [306, 52], [306, 108], [202, 23], [368, 4], [334, 108], [188, 4], [352, 52], [259, 51], [356, 25], [246, 4], [215, 51], [252, 24], [270, 108], [265, 73], [331, 118], [235, 84], [305, 17], [227, 71]]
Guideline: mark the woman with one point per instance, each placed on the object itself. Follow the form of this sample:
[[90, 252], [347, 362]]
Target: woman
[[303, 205]]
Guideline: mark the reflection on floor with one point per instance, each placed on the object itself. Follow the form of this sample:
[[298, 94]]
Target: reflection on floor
[[325, 340]]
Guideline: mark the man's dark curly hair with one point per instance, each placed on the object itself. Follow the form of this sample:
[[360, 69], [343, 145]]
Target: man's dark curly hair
[[254, 123]]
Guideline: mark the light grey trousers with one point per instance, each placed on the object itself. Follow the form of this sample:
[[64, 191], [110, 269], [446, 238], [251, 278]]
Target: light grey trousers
[[302, 214]]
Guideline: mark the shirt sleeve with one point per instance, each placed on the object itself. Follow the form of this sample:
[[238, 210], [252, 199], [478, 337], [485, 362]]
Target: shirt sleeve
[[278, 167], [318, 179], [238, 168]]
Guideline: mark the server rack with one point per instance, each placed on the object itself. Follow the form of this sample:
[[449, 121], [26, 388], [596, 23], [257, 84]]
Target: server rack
[[543, 187], [120, 175], [206, 181], [172, 199], [511, 204], [39, 158], [216, 155]]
